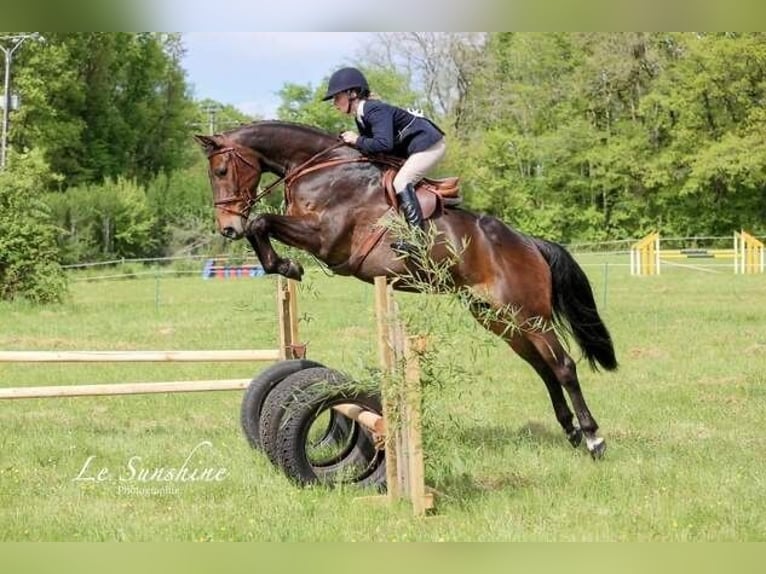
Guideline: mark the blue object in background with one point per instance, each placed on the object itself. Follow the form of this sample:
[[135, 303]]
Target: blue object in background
[[214, 269]]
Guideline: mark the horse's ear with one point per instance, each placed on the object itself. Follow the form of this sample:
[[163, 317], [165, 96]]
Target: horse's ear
[[208, 143]]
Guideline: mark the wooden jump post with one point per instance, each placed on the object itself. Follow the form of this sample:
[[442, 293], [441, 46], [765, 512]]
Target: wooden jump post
[[645, 256], [399, 429], [401, 404], [749, 254], [288, 349]]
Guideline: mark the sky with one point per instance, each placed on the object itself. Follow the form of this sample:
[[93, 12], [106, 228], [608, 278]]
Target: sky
[[247, 69]]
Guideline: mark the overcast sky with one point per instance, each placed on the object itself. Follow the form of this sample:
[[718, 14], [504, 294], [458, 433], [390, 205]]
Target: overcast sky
[[247, 69]]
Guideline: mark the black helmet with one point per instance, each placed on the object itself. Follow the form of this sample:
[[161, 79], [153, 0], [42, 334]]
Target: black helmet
[[346, 79]]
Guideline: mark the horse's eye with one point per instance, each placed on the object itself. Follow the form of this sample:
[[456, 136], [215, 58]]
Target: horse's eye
[[220, 171]]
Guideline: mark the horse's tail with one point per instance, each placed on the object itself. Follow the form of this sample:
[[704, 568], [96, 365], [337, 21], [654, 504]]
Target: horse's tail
[[574, 308]]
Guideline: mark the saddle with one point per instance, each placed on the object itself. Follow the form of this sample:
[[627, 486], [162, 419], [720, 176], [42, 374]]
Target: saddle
[[433, 194]]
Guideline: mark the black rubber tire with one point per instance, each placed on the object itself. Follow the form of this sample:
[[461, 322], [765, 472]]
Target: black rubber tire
[[309, 394], [273, 407], [259, 388]]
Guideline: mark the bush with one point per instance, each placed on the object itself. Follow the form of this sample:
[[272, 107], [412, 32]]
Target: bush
[[29, 257], [102, 222]]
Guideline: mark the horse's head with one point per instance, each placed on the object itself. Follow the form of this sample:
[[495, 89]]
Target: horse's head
[[234, 173]]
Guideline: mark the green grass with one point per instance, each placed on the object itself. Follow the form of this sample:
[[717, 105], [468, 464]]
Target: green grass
[[683, 418]]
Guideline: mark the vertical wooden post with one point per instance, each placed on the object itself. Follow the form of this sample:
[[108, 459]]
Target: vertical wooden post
[[411, 423], [292, 306], [386, 357], [382, 318], [401, 403], [287, 317], [399, 437]]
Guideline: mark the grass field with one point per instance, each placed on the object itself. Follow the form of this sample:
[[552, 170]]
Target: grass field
[[683, 418]]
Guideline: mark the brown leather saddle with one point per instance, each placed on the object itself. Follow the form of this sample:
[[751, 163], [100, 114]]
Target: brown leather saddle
[[433, 194]]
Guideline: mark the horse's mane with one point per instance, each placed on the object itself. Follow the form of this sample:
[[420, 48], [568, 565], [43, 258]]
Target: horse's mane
[[307, 129], [270, 134]]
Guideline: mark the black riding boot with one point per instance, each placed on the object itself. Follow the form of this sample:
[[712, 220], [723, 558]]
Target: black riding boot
[[409, 206]]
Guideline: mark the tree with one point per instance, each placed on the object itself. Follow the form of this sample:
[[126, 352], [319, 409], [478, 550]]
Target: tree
[[595, 136], [440, 66], [105, 104], [708, 129], [108, 221], [29, 257]]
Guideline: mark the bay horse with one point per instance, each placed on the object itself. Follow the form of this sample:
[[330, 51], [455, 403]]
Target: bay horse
[[335, 201]]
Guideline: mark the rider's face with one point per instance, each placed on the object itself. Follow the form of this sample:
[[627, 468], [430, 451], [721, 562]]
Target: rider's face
[[342, 103]]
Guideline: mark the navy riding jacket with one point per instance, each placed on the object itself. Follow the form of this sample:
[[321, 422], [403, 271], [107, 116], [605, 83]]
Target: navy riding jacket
[[389, 129]]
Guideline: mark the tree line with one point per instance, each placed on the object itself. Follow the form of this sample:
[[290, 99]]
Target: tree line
[[587, 136], [572, 136]]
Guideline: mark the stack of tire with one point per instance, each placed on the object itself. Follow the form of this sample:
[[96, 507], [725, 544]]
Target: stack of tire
[[287, 413]]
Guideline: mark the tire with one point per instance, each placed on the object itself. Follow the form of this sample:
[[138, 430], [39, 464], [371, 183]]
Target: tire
[[273, 408], [259, 388], [306, 396]]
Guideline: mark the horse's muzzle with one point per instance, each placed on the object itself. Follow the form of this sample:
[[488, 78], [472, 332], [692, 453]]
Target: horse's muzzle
[[230, 232]]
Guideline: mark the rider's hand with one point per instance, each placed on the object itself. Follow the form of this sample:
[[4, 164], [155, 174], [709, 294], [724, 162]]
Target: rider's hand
[[349, 137]]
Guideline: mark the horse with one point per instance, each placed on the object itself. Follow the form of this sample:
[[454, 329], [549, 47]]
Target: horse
[[335, 202]]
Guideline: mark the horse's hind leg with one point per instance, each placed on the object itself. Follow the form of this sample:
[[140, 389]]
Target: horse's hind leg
[[564, 415], [564, 371], [544, 353]]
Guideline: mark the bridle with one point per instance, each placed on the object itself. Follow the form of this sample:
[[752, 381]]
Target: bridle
[[245, 181]]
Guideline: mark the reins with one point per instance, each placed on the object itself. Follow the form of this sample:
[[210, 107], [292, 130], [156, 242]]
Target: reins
[[295, 173]]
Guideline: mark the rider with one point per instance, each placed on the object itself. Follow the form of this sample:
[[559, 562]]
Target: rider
[[384, 128]]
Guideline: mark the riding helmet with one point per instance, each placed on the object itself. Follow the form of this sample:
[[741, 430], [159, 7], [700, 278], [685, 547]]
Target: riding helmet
[[346, 79]]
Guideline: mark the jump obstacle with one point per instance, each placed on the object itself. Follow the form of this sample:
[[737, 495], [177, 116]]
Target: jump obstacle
[[273, 402], [399, 428], [747, 253]]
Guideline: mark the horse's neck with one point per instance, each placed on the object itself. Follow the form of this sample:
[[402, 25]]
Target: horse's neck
[[281, 150]]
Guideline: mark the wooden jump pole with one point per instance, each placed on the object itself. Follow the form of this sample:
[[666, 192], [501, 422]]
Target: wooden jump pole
[[137, 356], [370, 420], [122, 389]]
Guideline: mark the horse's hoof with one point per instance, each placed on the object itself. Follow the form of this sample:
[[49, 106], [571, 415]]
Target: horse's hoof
[[597, 448], [575, 437], [291, 269]]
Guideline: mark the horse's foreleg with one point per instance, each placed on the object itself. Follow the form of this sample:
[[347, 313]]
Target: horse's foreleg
[[293, 231]]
